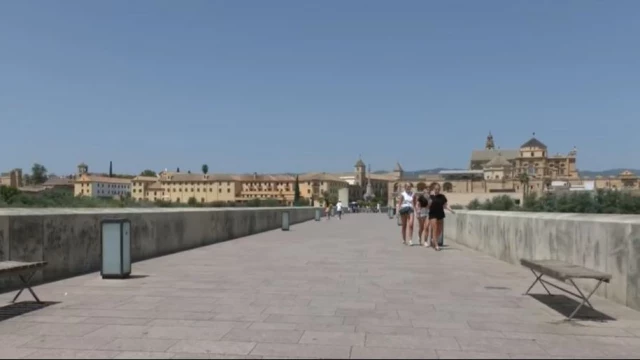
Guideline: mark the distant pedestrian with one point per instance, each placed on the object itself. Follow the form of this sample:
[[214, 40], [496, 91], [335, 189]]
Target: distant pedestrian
[[328, 211], [436, 214], [339, 209], [406, 205]]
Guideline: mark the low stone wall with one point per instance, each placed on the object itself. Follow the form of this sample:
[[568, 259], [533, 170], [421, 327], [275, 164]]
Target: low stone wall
[[69, 239], [609, 243]]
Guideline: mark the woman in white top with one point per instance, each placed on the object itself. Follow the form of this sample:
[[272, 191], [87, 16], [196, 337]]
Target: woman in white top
[[406, 206]]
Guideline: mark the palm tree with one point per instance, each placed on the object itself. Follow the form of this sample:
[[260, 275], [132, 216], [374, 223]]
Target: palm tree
[[205, 169]]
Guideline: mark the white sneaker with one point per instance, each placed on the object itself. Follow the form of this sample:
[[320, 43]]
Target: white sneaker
[[410, 243]]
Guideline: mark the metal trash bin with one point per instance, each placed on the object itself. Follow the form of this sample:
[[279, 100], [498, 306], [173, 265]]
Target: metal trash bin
[[390, 213], [399, 217], [285, 221], [318, 214], [115, 245]]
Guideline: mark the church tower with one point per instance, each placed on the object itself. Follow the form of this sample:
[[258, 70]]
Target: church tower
[[360, 172], [398, 171], [489, 145], [83, 169]]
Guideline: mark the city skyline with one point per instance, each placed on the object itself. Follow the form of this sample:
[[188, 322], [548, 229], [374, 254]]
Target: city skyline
[[293, 87]]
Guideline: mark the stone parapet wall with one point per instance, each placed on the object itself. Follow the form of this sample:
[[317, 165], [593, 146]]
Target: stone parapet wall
[[609, 243], [69, 239]]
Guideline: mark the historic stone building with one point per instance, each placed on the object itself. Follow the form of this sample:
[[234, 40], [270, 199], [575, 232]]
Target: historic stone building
[[493, 171]]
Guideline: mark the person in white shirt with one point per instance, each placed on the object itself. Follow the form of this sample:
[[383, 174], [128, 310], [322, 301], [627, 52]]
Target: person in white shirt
[[406, 206], [339, 209]]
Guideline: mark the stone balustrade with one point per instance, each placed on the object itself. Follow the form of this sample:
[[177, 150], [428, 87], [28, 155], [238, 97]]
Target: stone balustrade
[[69, 239], [609, 243]]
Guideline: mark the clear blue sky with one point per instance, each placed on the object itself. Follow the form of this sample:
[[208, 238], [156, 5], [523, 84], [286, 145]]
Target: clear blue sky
[[275, 86]]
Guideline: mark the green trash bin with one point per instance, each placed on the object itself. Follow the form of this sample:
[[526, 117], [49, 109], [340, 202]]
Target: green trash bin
[[115, 244]]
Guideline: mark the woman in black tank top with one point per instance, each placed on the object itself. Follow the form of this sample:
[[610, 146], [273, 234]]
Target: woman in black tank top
[[438, 203]]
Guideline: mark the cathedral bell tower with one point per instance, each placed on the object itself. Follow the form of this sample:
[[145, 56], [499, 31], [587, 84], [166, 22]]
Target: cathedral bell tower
[[489, 145], [360, 172]]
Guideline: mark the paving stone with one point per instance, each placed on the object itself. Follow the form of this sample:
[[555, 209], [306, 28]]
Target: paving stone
[[333, 320], [143, 355], [67, 343], [7, 352], [411, 342], [332, 338], [120, 331], [273, 326], [186, 332], [302, 351], [497, 345], [213, 347], [139, 345], [62, 329], [442, 354], [358, 352], [72, 354], [264, 336]]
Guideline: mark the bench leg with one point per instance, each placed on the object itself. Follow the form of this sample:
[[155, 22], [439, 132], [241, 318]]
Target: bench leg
[[538, 279], [581, 294], [25, 284], [584, 299]]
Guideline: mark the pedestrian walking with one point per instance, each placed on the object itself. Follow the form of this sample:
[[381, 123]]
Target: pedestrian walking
[[406, 205], [437, 207]]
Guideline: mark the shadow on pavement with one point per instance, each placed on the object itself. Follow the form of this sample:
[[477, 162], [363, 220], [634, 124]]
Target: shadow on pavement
[[566, 305], [12, 310]]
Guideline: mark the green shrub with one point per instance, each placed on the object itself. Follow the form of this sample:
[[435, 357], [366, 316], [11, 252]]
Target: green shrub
[[599, 202]]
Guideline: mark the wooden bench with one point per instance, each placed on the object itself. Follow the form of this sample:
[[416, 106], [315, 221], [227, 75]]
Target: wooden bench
[[25, 271], [564, 272]]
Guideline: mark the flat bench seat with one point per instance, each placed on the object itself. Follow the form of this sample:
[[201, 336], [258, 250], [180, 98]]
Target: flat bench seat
[[563, 271], [20, 268], [566, 272]]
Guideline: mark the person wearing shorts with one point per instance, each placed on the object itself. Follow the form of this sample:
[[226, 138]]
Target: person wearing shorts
[[436, 214], [423, 217], [406, 206]]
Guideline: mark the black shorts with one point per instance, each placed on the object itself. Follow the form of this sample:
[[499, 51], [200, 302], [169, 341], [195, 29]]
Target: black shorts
[[436, 216]]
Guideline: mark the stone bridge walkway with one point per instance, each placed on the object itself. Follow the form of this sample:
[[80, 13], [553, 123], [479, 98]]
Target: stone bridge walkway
[[330, 289]]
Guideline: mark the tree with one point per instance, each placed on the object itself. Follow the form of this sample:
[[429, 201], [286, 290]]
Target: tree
[[192, 201], [7, 193], [205, 169], [524, 182], [148, 173], [38, 174], [296, 192], [110, 168]]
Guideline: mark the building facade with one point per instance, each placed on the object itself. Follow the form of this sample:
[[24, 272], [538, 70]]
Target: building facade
[[208, 188], [99, 186], [12, 178]]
